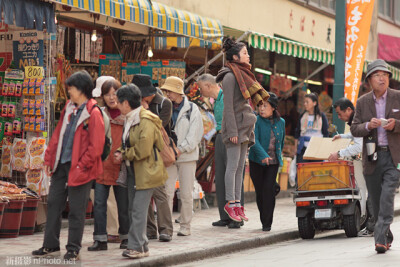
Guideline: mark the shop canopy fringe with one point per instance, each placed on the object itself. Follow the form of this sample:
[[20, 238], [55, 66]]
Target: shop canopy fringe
[[304, 51], [154, 15]]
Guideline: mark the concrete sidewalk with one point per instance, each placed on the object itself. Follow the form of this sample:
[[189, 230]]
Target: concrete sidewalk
[[206, 241]]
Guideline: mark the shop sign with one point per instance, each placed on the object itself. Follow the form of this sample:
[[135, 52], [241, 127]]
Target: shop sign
[[28, 48], [358, 22], [34, 72]]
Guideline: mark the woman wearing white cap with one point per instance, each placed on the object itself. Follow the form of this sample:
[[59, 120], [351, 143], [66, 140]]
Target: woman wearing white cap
[[186, 131]]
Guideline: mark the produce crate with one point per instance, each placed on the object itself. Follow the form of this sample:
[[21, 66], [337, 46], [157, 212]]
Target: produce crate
[[325, 175]]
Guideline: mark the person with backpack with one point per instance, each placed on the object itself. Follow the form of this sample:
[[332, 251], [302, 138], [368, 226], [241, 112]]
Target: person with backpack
[[186, 131], [162, 107], [140, 150], [109, 177], [73, 160]]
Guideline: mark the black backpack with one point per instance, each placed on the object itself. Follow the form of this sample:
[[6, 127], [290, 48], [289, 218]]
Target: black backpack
[[108, 139]]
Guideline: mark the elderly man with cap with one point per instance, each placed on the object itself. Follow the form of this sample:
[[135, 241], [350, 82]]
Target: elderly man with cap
[[377, 120], [265, 158], [186, 131], [162, 107]]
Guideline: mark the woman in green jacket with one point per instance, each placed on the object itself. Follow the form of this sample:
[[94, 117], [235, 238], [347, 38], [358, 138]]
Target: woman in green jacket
[[140, 150], [265, 158]]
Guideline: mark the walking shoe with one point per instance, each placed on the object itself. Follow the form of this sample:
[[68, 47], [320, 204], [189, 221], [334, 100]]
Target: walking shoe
[[234, 225], [183, 232], [133, 254], [221, 223], [152, 237], [178, 220], [71, 255], [240, 212], [266, 228], [165, 238], [124, 244], [232, 213], [46, 252], [380, 248], [365, 233], [97, 245]]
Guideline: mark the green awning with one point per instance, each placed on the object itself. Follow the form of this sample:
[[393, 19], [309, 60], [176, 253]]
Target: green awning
[[290, 48], [304, 51]]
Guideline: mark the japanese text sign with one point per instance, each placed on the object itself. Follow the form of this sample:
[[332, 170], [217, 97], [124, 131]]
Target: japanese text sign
[[28, 48], [358, 22]]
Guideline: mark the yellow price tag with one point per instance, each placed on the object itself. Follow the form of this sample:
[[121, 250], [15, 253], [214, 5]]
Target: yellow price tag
[[34, 72]]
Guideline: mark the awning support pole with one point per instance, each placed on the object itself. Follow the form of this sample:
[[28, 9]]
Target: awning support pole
[[340, 39], [199, 71]]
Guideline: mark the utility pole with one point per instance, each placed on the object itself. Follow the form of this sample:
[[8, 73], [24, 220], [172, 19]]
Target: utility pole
[[340, 44]]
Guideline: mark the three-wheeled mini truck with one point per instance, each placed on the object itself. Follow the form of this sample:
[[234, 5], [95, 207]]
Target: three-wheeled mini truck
[[330, 196]]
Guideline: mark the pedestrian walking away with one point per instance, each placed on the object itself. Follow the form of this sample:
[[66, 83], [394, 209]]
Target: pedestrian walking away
[[239, 86], [377, 120], [265, 157], [73, 160]]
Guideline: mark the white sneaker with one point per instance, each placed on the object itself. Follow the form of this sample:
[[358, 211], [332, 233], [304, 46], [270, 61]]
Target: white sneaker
[[183, 232]]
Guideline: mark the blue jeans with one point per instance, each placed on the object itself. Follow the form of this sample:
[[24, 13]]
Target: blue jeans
[[101, 193]]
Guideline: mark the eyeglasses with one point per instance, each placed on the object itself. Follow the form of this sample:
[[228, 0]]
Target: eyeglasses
[[380, 75]]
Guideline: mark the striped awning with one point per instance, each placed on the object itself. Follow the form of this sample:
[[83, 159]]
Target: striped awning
[[154, 15], [299, 50], [290, 48]]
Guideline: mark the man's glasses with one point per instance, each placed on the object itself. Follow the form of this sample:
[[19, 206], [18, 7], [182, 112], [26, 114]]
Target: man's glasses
[[380, 75]]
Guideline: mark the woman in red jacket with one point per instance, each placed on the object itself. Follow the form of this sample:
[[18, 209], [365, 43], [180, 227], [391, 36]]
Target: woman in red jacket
[[73, 160], [110, 175]]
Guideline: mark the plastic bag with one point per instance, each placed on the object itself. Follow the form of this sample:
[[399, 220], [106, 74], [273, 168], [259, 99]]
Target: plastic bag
[[293, 172]]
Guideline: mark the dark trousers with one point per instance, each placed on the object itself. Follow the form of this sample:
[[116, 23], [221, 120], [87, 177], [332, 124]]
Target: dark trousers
[[264, 178], [220, 166], [101, 193], [78, 197], [382, 184], [164, 218]]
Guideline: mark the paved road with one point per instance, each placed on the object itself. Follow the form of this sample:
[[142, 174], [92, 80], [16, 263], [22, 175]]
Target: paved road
[[330, 249]]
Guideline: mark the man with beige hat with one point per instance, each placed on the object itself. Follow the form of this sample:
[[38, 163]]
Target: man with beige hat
[[377, 120], [186, 131]]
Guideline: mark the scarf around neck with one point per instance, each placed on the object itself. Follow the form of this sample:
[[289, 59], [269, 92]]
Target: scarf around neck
[[248, 84]]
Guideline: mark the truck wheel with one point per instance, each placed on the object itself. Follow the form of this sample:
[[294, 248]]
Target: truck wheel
[[306, 227], [351, 223]]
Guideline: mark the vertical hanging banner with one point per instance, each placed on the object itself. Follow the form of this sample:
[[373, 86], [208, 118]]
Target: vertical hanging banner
[[358, 22]]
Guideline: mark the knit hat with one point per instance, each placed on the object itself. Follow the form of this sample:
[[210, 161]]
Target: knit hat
[[273, 100], [173, 84], [375, 65], [144, 82], [99, 83]]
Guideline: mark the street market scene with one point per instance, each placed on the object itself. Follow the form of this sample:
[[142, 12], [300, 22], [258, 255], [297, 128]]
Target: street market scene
[[191, 133]]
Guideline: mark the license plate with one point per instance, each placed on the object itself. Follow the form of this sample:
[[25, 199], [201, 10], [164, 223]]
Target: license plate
[[323, 213]]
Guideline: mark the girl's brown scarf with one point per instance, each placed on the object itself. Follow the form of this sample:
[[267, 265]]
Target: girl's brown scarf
[[247, 82]]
